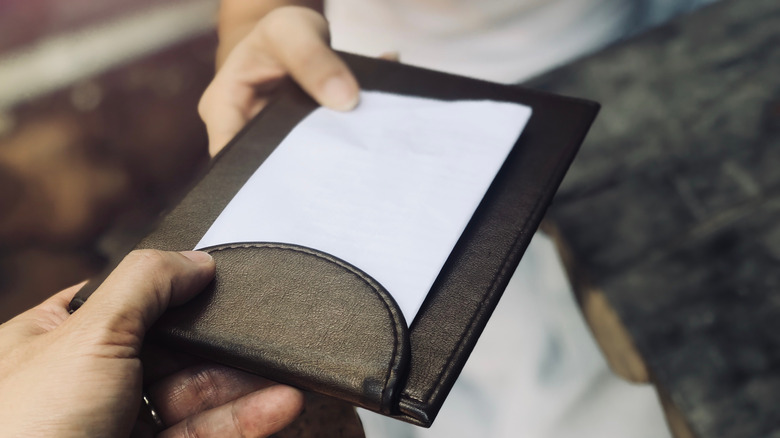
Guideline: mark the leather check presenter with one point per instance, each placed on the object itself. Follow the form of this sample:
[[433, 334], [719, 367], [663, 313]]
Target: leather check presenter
[[270, 311]]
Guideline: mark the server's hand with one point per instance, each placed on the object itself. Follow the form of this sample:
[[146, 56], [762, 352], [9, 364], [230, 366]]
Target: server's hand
[[291, 41]]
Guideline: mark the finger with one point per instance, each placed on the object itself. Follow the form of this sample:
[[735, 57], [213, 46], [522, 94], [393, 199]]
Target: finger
[[227, 105], [40, 319], [394, 56], [235, 95], [308, 58], [200, 388], [141, 287], [60, 302], [258, 414], [46, 315], [289, 40]]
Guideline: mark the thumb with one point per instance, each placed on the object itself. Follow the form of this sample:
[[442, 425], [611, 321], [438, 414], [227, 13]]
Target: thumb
[[141, 287]]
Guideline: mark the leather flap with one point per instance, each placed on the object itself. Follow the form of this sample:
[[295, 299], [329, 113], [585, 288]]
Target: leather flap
[[297, 316]]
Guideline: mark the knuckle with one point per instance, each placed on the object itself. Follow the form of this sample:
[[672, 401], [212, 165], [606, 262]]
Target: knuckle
[[191, 429], [120, 339], [204, 103], [157, 269], [149, 259], [205, 385], [236, 420], [273, 23], [284, 16], [277, 27]]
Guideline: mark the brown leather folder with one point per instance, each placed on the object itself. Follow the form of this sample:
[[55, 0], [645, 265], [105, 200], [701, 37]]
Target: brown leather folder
[[311, 320]]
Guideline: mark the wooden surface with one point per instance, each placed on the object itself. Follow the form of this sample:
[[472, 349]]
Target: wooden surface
[[669, 219]]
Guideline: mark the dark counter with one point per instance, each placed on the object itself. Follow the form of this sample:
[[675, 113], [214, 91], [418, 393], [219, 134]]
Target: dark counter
[[670, 216]]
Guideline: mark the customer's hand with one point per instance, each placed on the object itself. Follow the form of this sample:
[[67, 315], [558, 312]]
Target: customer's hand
[[288, 41], [81, 375]]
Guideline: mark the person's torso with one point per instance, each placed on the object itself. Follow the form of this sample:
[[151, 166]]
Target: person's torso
[[503, 40]]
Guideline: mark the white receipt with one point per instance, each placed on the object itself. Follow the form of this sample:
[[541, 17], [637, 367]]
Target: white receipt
[[388, 187]]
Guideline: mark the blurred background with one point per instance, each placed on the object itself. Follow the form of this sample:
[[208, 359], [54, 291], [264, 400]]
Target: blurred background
[[98, 130], [668, 217], [98, 122]]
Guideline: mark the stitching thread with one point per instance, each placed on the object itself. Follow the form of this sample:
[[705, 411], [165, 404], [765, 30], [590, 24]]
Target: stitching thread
[[359, 274]]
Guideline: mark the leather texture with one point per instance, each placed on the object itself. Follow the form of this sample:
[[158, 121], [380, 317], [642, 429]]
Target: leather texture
[[311, 320], [300, 317]]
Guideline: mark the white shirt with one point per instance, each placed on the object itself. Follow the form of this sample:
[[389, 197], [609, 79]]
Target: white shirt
[[499, 40]]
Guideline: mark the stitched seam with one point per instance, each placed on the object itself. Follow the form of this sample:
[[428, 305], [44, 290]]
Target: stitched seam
[[472, 321], [370, 282]]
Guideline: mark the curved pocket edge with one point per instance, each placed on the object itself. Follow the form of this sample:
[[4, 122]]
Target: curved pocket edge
[[298, 316]]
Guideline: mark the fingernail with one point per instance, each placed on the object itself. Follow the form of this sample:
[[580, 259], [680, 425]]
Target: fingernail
[[340, 93], [197, 256]]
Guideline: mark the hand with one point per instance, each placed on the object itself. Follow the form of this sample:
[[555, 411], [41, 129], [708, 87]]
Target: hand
[[81, 375], [289, 40]]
